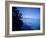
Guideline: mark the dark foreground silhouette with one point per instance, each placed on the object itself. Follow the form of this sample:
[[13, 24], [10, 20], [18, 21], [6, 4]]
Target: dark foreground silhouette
[[16, 19]]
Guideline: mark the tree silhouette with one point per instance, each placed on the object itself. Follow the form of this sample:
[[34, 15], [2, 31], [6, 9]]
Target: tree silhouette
[[16, 19]]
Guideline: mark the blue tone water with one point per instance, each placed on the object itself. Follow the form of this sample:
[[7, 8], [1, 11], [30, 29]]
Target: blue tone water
[[30, 24]]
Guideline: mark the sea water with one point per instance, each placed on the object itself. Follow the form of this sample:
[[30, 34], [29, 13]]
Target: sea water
[[30, 24]]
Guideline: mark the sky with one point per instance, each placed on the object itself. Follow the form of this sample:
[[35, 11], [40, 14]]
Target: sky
[[29, 12]]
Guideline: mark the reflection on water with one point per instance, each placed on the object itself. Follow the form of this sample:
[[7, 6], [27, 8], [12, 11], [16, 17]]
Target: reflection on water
[[30, 24]]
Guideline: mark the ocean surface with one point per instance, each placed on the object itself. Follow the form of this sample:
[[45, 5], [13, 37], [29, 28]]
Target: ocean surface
[[30, 24]]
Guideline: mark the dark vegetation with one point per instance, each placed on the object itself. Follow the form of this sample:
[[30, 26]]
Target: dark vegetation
[[16, 19]]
